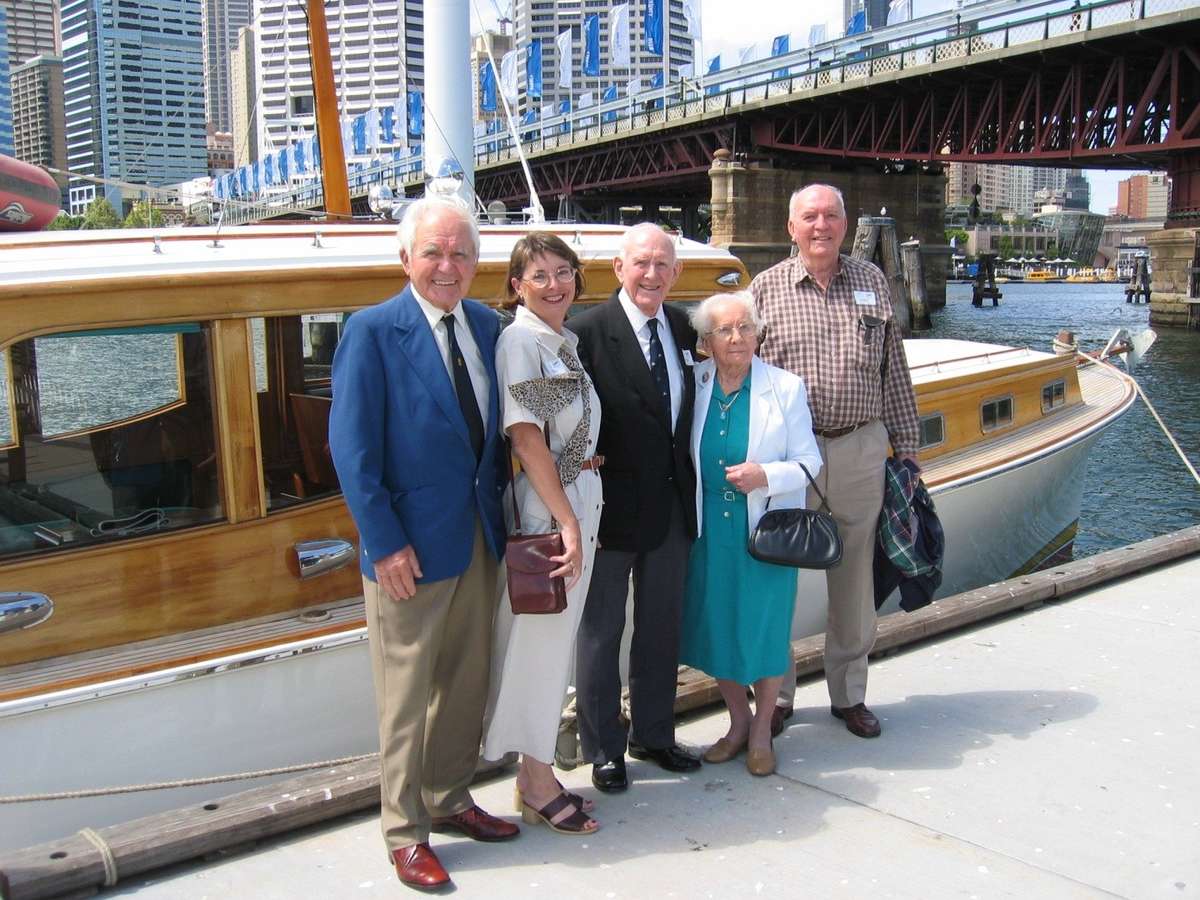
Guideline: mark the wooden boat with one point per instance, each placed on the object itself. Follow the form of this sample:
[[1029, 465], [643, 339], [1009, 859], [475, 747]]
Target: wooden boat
[[165, 483], [1042, 276], [1084, 276]]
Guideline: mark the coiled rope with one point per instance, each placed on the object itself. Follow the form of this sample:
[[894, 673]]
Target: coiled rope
[[183, 782]]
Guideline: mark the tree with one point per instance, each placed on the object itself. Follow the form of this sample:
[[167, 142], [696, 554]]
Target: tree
[[100, 214], [142, 215], [64, 221], [1004, 247], [958, 236]]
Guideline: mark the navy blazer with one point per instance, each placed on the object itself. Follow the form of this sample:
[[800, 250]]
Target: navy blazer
[[400, 444]]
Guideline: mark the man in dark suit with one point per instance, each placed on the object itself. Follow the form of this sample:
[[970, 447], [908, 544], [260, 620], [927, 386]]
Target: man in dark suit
[[639, 355], [414, 436]]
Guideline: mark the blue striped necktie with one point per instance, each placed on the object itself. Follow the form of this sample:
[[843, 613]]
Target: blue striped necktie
[[658, 368]]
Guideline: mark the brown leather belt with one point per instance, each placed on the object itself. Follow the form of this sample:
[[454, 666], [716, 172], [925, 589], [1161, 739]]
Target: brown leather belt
[[594, 463], [838, 432]]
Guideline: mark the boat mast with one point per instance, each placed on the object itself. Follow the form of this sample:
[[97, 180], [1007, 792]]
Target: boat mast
[[329, 127], [449, 132]]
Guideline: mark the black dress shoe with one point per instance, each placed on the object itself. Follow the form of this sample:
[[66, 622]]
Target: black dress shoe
[[778, 716], [673, 758], [610, 777]]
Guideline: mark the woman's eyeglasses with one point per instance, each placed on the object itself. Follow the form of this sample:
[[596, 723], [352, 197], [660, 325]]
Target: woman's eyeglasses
[[564, 275], [726, 332]]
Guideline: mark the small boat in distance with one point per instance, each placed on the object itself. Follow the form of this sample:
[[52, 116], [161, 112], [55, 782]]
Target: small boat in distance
[[1042, 276]]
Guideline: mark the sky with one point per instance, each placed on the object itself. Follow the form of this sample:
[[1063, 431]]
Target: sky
[[730, 25]]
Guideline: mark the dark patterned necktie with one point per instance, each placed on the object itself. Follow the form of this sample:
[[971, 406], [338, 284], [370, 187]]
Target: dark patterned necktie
[[462, 387], [658, 368]]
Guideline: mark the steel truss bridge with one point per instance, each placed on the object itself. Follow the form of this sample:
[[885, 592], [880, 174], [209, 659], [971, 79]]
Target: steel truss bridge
[[1113, 84]]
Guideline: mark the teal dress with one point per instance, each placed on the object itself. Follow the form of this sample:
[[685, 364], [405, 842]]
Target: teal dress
[[737, 613]]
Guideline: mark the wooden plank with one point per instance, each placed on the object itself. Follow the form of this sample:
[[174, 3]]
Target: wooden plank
[[73, 864], [237, 420]]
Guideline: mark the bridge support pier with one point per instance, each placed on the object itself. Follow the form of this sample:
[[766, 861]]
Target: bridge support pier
[[750, 210], [1174, 287]]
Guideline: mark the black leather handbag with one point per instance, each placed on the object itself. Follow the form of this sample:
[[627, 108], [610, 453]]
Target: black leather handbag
[[800, 538]]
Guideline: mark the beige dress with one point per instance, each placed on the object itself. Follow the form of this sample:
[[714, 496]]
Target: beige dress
[[541, 381]]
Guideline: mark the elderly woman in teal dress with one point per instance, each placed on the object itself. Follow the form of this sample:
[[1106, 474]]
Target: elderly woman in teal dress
[[751, 439]]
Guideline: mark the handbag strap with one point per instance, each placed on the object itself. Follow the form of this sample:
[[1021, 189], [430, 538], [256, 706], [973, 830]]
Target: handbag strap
[[812, 481], [512, 480]]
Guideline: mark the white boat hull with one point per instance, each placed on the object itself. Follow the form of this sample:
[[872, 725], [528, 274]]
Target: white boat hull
[[313, 701]]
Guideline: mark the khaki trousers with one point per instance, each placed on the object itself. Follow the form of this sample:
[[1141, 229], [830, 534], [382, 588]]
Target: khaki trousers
[[852, 480], [430, 663]]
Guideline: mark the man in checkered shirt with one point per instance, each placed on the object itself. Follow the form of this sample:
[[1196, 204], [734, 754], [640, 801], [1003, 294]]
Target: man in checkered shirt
[[829, 320]]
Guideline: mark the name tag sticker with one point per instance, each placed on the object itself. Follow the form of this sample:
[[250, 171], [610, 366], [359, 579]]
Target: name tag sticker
[[555, 367], [687, 358], [864, 298]]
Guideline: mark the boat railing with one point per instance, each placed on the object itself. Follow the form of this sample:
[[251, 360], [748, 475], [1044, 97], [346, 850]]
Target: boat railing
[[989, 357]]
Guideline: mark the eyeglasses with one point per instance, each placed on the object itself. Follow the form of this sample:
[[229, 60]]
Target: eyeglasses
[[725, 332], [542, 279]]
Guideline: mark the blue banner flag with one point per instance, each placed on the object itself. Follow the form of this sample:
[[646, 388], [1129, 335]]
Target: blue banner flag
[[316, 151], [387, 123], [529, 117], [533, 70], [780, 47], [487, 87], [652, 22], [416, 114], [610, 93], [657, 80], [359, 130], [857, 24], [243, 182], [564, 107], [714, 66], [591, 45], [300, 156], [283, 165]]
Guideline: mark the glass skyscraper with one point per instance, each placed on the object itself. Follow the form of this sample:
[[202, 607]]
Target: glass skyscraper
[[133, 76], [6, 112]]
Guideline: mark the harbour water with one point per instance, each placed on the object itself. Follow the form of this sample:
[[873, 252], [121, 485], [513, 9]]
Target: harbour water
[[1136, 487]]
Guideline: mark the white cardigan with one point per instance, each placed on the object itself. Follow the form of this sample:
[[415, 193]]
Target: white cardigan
[[781, 437]]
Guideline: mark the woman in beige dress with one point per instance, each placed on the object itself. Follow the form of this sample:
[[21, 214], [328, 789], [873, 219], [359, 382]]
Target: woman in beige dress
[[543, 386]]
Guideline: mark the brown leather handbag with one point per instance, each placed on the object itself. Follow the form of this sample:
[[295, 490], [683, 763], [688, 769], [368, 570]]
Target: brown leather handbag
[[531, 590]]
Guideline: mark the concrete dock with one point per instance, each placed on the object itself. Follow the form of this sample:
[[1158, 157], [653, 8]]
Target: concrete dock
[[1050, 753]]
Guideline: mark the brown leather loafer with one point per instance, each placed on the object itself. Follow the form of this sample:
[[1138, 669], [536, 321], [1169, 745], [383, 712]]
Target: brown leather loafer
[[418, 867], [724, 750], [760, 762], [778, 716], [477, 825], [859, 720]]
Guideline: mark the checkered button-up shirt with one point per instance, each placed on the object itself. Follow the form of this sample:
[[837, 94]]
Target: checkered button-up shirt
[[854, 372]]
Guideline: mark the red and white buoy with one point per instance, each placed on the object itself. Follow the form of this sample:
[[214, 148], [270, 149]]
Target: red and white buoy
[[29, 197]]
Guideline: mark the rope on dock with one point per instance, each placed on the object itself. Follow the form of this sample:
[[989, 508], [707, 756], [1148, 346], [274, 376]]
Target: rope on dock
[[106, 855], [183, 782]]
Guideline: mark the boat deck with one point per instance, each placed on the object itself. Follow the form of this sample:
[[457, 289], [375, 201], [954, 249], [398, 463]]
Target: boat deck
[[1035, 756], [1106, 393]]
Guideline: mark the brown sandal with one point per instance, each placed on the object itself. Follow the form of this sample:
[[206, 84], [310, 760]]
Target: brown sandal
[[582, 803], [574, 824]]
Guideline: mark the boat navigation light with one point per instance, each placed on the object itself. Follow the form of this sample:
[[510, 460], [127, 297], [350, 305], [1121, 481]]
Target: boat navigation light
[[446, 180], [381, 199]]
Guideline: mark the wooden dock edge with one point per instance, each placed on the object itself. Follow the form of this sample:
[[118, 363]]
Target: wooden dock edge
[[74, 866]]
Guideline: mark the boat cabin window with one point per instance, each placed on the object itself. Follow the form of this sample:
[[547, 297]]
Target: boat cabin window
[[1054, 395], [105, 435], [933, 430], [997, 413], [293, 357]]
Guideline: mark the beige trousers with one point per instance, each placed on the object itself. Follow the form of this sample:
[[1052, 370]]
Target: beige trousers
[[430, 662], [852, 479]]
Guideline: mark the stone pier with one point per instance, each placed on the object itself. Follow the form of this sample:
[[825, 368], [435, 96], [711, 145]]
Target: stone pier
[[1172, 254], [750, 210]]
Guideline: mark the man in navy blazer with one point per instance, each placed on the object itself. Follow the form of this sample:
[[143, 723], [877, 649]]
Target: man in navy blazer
[[415, 440]]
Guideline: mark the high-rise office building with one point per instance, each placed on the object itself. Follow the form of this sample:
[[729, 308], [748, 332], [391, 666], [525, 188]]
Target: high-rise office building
[[133, 76], [378, 59], [39, 124], [222, 19], [545, 20], [1009, 188], [6, 111], [243, 99], [32, 29], [499, 44], [1143, 196]]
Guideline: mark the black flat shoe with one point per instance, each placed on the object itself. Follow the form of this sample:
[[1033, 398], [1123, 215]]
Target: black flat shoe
[[673, 758], [610, 777]]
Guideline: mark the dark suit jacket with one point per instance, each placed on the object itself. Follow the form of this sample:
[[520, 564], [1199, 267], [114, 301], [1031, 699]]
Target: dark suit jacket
[[400, 443], [646, 468]]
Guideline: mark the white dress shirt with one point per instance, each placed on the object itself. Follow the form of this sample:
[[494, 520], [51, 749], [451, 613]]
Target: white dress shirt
[[466, 343], [638, 320]]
